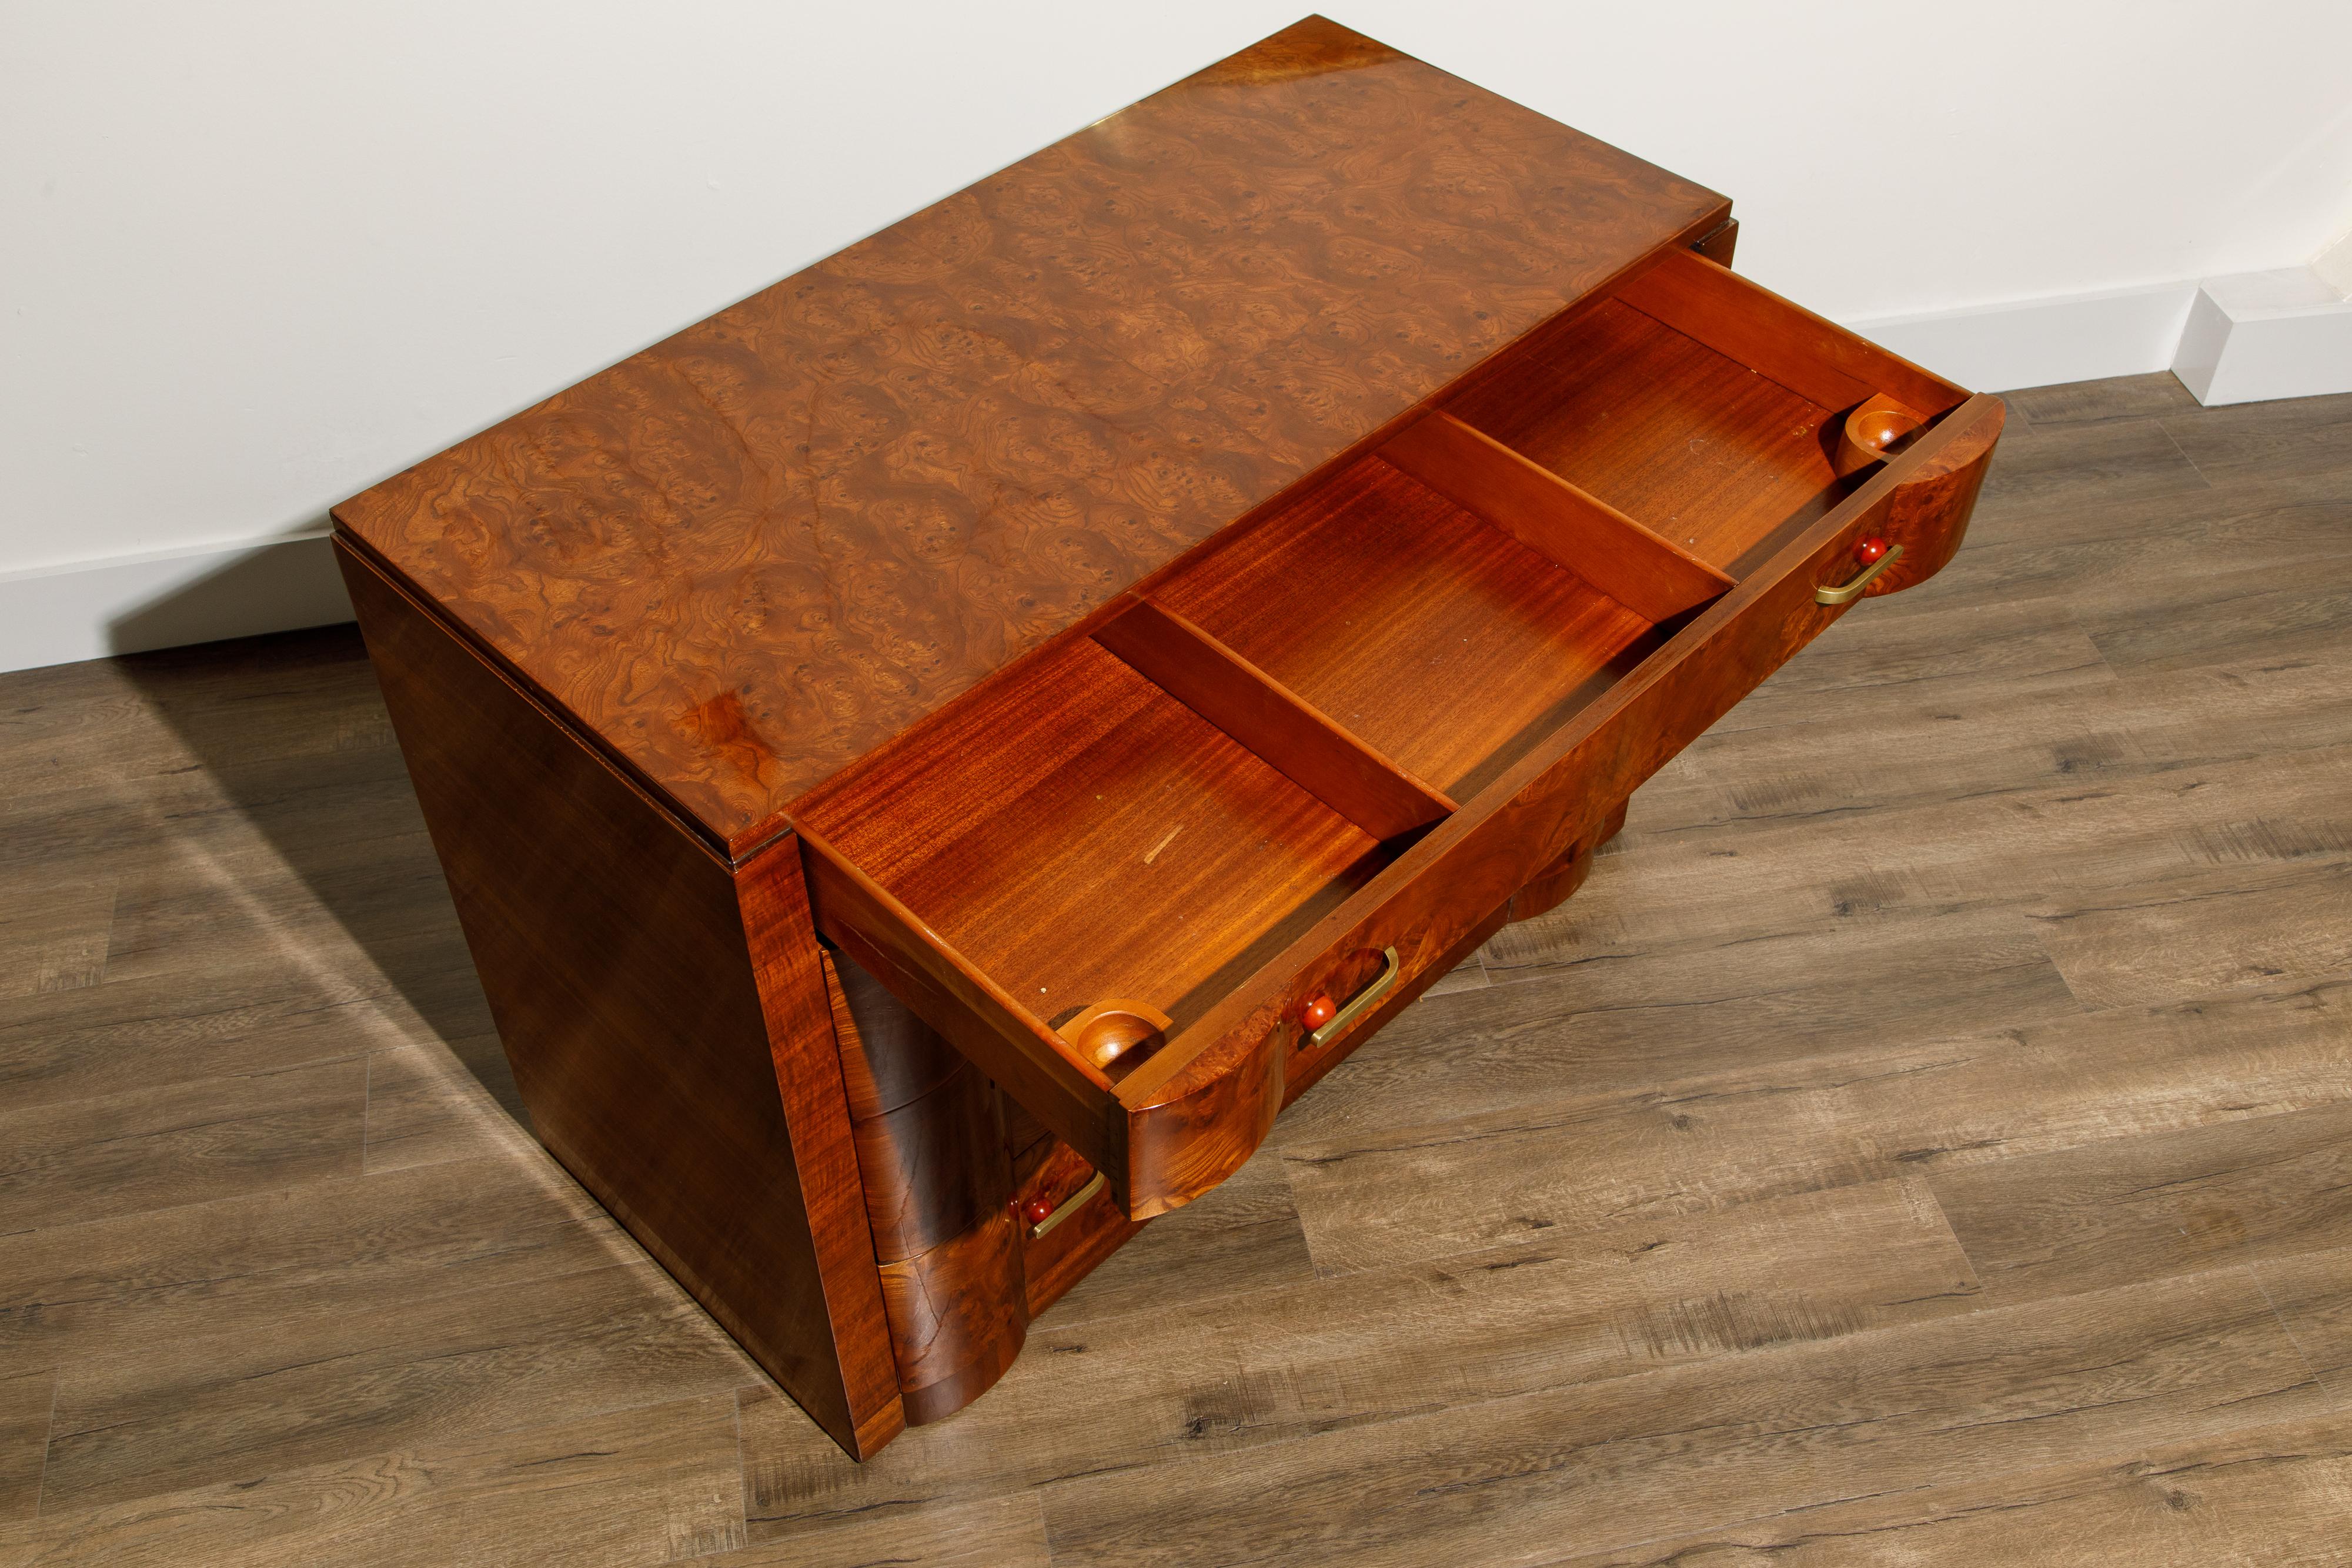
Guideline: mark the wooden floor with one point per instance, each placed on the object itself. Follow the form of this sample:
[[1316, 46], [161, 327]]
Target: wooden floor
[[1954, 1164]]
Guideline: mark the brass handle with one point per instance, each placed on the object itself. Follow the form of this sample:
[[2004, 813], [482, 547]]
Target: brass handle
[[1358, 1003], [1847, 593], [1070, 1206]]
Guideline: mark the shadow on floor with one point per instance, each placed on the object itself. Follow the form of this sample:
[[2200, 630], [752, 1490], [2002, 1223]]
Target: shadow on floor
[[291, 727]]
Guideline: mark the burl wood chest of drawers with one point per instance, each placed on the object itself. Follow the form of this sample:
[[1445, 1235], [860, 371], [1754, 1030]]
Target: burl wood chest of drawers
[[933, 758]]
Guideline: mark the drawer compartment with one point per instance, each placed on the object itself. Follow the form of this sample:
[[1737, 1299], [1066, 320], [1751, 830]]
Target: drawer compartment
[[1443, 641], [1154, 878]]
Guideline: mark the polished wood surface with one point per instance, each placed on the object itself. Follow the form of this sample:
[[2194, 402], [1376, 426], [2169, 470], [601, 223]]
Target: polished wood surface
[[668, 1028], [1551, 798], [1273, 722], [938, 1175], [1922, 1136], [888, 1056], [1179, 814], [1205, 704], [1567, 527], [1439, 639], [934, 1167], [745, 557], [1427, 644], [1558, 881]]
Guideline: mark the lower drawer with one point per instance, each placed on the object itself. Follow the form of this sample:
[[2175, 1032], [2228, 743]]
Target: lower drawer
[[1154, 877]]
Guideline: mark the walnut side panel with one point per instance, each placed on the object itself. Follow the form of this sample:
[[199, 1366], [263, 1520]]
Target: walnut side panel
[[647, 1029]]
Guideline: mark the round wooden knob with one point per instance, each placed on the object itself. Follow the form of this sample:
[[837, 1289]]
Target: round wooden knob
[[1319, 1012], [1035, 1211], [1869, 550], [1880, 428]]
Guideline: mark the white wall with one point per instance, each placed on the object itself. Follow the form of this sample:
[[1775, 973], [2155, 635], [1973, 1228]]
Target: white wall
[[256, 256]]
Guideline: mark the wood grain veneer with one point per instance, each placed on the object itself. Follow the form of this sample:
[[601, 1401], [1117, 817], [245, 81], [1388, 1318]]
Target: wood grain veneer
[[745, 557], [1271, 721], [1150, 614], [1440, 640], [1714, 456], [1551, 517], [1084, 797], [667, 1024]]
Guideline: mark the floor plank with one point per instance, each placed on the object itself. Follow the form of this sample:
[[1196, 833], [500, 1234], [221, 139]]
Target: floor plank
[[1621, 1017], [2238, 925], [1007, 1531], [160, 1148], [128, 1291], [2312, 1292], [1922, 1139], [426, 1104], [2096, 402], [150, 1033], [657, 1483], [2253, 441], [27, 1399], [2104, 549], [231, 1404], [1533, 1478], [54, 932], [2237, 615], [1242, 1237], [2102, 1213], [2040, 469], [1190, 1378], [2276, 1497], [1874, 1113]]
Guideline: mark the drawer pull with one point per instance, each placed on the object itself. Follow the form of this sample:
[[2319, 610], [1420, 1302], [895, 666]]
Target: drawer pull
[[1070, 1206], [1847, 593], [1358, 1004]]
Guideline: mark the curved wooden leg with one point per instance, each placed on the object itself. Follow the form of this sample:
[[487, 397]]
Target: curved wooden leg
[[1549, 888]]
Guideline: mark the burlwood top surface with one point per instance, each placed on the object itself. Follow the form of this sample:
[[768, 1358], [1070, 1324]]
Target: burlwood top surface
[[749, 554]]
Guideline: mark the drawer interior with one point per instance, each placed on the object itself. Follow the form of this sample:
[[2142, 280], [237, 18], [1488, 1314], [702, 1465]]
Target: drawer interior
[[1707, 452], [1445, 642], [1086, 838], [1134, 832], [1710, 412]]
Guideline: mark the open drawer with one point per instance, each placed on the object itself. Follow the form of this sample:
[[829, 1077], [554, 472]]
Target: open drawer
[[1157, 876]]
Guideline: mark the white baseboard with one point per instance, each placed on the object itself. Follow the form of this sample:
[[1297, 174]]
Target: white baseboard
[[2041, 342], [2334, 265], [90, 610], [2256, 336], [128, 605]]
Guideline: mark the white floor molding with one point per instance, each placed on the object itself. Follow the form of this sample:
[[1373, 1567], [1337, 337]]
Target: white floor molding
[[2040, 342], [88, 609], [2256, 336]]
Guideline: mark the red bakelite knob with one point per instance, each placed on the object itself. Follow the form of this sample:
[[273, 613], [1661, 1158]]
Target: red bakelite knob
[[1317, 1012], [1035, 1211], [1868, 550]]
